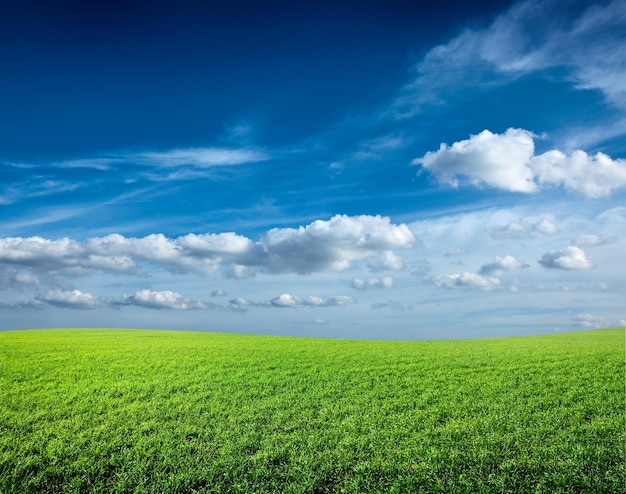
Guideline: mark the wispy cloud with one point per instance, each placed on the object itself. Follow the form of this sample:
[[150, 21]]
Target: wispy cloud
[[533, 35], [198, 157]]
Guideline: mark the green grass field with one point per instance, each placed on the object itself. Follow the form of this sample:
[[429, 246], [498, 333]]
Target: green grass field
[[164, 411]]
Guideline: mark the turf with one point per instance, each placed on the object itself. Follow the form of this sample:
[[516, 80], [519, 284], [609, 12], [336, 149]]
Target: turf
[[87, 410]]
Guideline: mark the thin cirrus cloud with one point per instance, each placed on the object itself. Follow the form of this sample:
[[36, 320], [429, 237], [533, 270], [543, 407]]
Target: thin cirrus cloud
[[189, 157], [507, 161], [331, 245]]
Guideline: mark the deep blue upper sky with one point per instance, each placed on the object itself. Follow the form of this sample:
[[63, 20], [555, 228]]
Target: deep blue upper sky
[[156, 117]]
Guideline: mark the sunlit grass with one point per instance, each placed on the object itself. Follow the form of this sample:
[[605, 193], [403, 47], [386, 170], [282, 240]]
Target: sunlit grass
[[165, 411]]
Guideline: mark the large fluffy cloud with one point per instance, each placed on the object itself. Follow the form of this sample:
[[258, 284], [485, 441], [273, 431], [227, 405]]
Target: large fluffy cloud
[[335, 244], [590, 176], [507, 161], [496, 160], [322, 245]]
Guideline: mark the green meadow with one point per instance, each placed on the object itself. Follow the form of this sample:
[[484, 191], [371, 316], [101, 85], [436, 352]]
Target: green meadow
[[86, 410]]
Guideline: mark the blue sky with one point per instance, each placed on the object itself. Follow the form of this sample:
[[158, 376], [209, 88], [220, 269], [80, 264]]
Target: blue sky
[[345, 169]]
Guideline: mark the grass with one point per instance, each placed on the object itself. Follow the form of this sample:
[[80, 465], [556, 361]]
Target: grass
[[164, 411]]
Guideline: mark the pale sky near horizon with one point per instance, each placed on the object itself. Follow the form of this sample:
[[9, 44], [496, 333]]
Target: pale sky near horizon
[[374, 169]]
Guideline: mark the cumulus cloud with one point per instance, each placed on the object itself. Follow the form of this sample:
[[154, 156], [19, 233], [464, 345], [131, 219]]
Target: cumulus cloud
[[590, 240], [287, 300], [366, 283], [59, 256], [74, 299], [162, 300], [585, 175], [507, 161], [590, 321], [500, 265], [218, 293], [523, 229], [495, 160], [571, 258], [240, 304], [335, 244], [330, 245], [466, 280], [546, 227]]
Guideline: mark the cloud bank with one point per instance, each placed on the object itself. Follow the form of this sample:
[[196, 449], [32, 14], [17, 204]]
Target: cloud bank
[[332, 245]]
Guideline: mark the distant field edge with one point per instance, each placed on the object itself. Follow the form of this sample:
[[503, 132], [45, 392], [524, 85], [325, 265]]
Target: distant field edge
[[269, 335]]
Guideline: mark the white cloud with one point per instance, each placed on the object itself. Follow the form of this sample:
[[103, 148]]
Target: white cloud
[[500, 265], [387, 261], [74, 299], [218, 293], [335, 244], [330, 245], [590, 240], [586, 44], [546, 227], [393, 305], [590, 321], [507, 161], [585, 175], [365, 283], [240, 304], [496, 160], [572, 257], [287, 300], [455, 253], [523, 229], [162, 300], [198, 157], [466, 280]]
